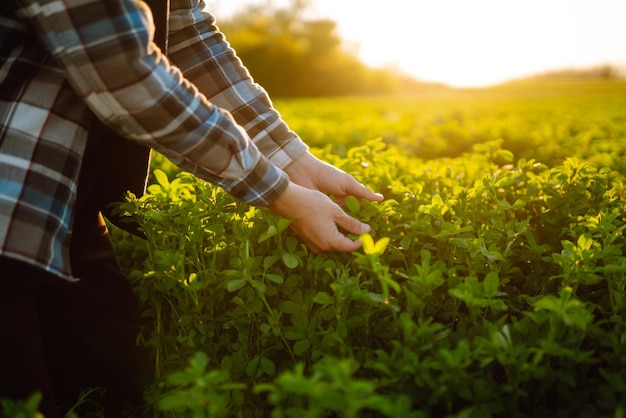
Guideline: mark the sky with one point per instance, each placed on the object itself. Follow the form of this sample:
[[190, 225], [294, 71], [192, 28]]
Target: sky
[[471, 43]]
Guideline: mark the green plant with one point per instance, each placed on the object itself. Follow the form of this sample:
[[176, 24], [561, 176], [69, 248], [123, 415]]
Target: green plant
[[27, 408], [489, 285]]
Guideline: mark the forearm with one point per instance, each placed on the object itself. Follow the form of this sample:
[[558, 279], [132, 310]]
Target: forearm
[[127, 83], [198, 47]]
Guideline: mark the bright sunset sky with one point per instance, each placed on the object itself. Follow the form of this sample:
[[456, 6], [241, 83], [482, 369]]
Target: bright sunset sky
[[468, 43]]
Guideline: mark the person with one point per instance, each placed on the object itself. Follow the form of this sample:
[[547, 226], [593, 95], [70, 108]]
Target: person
[[85, 93]]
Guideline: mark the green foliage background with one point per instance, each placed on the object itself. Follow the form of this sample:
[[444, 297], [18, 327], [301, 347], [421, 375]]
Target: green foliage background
[[492, 283]]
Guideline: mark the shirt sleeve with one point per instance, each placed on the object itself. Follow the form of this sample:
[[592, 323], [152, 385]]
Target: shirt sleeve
[[106, 52], [201, 51]]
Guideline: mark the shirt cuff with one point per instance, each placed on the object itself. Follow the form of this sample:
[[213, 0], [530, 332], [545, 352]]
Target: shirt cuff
[[265, 183]]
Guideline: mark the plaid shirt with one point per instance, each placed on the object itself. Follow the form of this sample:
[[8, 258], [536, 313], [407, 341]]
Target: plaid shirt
[[65, 63]]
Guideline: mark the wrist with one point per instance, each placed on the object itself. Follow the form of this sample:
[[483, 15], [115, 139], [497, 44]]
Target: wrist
[[283, 204]]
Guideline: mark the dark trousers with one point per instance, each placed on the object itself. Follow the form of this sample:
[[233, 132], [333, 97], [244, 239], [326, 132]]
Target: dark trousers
[[59, 338]]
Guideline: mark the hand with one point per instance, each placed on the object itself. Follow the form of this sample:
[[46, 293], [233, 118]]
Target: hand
[[312, 173], [316, 220]]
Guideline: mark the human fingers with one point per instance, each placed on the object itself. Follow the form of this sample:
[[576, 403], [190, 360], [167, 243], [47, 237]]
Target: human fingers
[[321, 231], [317, 220], [353, 188], [335, 241], [350, 224]]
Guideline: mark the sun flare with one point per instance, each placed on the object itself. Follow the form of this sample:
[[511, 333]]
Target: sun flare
[[474, 43]]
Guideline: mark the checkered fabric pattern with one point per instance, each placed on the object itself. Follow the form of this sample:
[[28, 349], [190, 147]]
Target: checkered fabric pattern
[[64, 63]]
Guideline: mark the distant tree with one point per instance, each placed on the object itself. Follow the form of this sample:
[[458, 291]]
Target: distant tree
[[293, 56]]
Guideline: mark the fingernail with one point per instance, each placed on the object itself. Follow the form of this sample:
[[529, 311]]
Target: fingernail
[[365, 228]]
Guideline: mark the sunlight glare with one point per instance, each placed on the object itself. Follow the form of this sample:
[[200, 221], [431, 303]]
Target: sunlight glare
[[481, 42], [473, 43]]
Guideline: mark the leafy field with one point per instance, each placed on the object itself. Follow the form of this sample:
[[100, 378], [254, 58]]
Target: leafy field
[[544, 120], [492, 283]]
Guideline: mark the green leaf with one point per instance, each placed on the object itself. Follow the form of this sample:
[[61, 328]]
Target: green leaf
[[491, 283], [283, 223], [199, 361], [505, 181], [584, 242], [323, 298], [288, 306], [269, 261], [259, 286], [268, 366], [504, 156], [301, 346], [235, 284], [226, 363], [352, 204], [172, 401], [376, 297], [161, 178], [437, 201], [291, 243], [290, 260], [271, 231], [252, 366], [275, 278]]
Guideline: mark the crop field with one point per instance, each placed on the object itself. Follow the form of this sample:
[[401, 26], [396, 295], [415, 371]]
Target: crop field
[[492, 283]]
